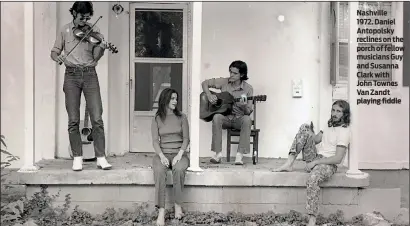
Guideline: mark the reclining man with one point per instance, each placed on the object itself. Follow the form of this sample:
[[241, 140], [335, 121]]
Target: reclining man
[[322, 162]]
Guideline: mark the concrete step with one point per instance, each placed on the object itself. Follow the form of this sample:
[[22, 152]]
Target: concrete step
[[352, 201]]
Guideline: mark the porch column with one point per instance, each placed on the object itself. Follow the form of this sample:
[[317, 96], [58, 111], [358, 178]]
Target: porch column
[[353, 170], [195, 85], [28, 157]]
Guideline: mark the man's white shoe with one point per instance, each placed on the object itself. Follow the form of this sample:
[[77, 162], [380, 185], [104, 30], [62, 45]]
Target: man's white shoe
[[78, 163], [216, 158], [103, 164], [238, 160]]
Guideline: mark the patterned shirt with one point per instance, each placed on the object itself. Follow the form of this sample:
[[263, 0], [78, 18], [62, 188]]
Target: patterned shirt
[[244, 89], [82, 55]]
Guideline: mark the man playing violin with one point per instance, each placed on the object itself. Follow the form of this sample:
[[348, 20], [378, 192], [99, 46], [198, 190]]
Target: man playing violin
[[240, 117], [81, 76]]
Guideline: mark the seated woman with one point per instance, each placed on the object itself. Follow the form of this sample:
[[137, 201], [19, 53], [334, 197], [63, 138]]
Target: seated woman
[[170, 138], [321, 163]]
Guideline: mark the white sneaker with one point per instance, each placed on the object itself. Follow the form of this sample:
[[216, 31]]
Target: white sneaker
[[78, 163], [103, 164], [216, 158], [238, 160]]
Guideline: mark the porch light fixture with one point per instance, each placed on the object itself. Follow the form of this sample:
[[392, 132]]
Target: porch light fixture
[[117, 9], [281, 18]]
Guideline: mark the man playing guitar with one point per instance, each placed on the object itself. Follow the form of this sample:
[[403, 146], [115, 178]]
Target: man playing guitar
[[80, 75], [240, 115]]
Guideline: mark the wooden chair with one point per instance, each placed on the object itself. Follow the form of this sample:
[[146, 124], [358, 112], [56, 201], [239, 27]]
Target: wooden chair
[[236, 133]]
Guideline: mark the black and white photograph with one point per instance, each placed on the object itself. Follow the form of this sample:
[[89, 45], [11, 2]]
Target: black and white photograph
[[224, 113]]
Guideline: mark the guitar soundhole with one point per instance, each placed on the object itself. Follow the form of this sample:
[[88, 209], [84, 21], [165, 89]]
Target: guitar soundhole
[[218, 103]]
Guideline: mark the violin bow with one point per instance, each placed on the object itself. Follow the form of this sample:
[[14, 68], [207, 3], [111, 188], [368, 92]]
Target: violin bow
[[82, 39]]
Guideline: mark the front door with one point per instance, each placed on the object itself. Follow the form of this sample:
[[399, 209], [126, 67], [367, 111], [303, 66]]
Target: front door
[[158, 59]]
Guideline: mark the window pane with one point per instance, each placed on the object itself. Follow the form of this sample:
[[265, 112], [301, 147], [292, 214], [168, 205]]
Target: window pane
[[343, 61], [151, 79], [158, 33], [344, 20], [343, 46], [344, 35]]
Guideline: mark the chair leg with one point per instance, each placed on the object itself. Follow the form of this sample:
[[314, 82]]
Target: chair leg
[[228, 147], [254, 150], [256, 143]]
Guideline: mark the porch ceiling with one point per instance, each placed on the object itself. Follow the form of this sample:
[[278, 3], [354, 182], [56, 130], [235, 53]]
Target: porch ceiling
[[135, 169]]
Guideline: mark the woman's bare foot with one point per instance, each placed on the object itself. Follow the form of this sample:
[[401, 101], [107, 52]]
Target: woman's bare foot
[[312, 221], [178, 212], [284, 168], [161, 217]]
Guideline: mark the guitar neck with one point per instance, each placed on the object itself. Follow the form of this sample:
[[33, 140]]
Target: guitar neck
[[248, 98]]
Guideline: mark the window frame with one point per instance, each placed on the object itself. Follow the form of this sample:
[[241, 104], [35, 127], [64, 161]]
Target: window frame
[[154, 60]]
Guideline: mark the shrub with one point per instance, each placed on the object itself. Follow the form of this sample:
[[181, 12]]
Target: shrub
[[8, 158], [9, 210], [39, 209]]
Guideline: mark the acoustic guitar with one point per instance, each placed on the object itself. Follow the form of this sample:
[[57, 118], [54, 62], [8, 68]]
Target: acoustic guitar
[[86, 139], [223, 106]]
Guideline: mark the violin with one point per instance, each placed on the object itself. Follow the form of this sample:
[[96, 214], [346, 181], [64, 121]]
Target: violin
[[87, 34], [93, 37]]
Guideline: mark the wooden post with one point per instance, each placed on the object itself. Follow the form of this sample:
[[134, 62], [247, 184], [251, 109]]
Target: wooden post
[[28, 157], [195, 85], [353, 170]]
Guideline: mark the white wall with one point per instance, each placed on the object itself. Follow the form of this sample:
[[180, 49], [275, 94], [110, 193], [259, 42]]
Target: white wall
[[12, 77], [118, 79], [275, 53]]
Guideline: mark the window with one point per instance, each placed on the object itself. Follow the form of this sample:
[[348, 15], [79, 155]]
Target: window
[[158, 54], [340, 34], [158, 33], [151, 79]]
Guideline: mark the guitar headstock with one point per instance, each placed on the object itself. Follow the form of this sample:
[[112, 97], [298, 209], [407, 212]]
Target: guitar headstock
[[260, 98]]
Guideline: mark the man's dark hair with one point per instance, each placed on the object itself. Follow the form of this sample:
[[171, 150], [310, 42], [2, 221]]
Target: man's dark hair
[[82, 8], [242, 67]]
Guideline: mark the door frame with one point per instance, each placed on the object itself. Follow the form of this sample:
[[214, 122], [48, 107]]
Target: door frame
[[132, 60]]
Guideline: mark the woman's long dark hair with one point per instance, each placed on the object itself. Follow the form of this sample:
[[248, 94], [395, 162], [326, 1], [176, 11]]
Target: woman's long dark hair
[[345, 120], [163, 103]]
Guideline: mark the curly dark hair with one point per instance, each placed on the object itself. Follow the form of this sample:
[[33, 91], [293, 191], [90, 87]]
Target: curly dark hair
[[82, 7]]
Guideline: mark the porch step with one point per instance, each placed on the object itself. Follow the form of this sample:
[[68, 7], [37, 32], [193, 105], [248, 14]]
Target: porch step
[[136, 169], [209, 177]]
